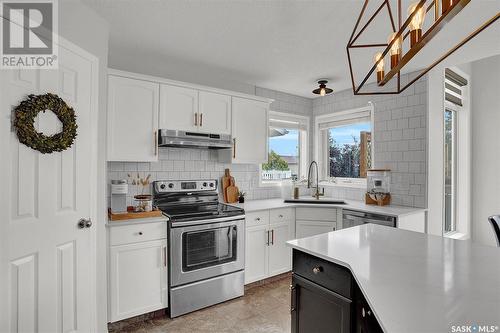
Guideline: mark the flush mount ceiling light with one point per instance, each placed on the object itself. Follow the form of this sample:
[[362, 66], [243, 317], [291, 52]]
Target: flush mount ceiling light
[[443, 12], [323, 89]]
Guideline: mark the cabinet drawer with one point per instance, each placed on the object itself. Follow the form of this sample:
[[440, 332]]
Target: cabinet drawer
[[316, 214], [137, 233], [329, 275], [260, 217], [281, 215]]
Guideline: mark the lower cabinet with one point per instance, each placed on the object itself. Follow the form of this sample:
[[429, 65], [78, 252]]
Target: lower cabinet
[[304, 228], [325, 298], [137, 273], [317, 309], [266, 252]]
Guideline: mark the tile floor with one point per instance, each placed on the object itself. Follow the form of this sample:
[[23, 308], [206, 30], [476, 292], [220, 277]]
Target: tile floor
[[263, 309]]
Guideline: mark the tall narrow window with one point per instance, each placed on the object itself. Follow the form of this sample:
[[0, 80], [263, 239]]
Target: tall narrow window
[[450, 170], [454, 165]]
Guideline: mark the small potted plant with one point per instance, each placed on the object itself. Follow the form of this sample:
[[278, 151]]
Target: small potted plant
[[241, 196], [144, 201]]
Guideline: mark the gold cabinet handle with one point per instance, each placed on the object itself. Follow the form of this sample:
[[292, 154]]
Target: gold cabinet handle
[[234, 147], [201, 119], [165, 256], [156, 143]]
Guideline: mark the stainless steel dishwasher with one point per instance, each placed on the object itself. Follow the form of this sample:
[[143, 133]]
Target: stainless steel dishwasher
[[351, 218]]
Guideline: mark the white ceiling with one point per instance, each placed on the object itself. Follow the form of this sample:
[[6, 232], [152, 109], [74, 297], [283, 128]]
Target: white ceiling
[[282, 44]]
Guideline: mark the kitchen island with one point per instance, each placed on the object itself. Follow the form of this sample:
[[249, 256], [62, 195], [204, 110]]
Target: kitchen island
[[410, 282]]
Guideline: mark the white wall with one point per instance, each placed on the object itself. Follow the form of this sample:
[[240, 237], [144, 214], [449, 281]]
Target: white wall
[[83, 27], [485, 147]]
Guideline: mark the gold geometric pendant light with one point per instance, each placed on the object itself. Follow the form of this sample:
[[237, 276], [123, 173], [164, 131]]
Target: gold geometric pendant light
[[411, 33]]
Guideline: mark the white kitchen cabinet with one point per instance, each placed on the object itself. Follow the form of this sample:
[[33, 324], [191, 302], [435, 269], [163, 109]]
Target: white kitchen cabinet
[[138, 278], [178, 108], [266, 253], [256, 253], [132, 119], [214, 113], [280, 255], [307, 228], [249, 130], [315, 220]]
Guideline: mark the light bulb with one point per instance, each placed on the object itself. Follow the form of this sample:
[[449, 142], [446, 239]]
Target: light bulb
[[322, 92], [396, 47], [380, 64], [395, 50], [379, 61], [416, 23], [417, 20]]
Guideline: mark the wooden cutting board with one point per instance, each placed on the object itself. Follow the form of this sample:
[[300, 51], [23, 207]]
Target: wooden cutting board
[[226, 182], [232, 192]]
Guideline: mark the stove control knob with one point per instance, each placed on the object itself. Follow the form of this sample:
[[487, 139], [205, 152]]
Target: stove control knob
[[162, 186], [204, 184], [211, 184], [171, 185]]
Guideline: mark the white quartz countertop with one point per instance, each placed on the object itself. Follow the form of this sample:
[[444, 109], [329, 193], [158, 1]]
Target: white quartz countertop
[[416, 282], [391, 210]]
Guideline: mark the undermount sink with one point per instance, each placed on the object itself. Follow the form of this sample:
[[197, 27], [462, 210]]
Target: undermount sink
[[321, 200]]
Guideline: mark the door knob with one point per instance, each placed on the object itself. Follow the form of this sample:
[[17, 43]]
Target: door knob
[[84, 223]]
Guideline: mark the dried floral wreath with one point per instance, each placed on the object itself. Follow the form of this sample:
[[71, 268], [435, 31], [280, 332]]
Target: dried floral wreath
[[27, 111]]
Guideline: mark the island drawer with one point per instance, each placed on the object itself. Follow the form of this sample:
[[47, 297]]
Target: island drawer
[[328, 275]]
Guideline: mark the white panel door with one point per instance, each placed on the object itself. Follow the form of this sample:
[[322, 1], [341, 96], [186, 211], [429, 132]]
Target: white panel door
[[256, 253], [280, 255], [49, 262], [250, 130], [179, 108], [132, 119], [311, 228], [138, 278], [214, 113]]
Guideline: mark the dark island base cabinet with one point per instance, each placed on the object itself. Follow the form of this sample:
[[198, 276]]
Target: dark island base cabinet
[[325, 298]]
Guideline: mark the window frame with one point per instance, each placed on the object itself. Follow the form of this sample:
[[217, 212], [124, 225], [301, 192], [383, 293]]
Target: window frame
[[303, 144], [320, 151]]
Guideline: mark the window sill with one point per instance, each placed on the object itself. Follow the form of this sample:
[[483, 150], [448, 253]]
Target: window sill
[[269, 184], [456, 235], [344, 185]]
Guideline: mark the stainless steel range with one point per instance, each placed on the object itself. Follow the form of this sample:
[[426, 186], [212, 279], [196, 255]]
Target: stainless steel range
[[207, 242]]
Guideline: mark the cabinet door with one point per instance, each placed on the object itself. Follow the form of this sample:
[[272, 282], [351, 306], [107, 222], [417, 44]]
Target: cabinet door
[[132, 119], [214, 113], [280, 255], [250, 130], [316, 309], [311, 228], [179, 108], [256, 253], [138, 279]]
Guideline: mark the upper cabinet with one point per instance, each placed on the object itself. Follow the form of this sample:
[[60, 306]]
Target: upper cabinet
[[139, 105], [179, 108], [214, 113], [250, 130], [132, 119], [191, 110]]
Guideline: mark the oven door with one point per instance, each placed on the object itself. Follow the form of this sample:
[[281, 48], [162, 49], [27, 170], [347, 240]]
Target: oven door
[[206, 250]]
